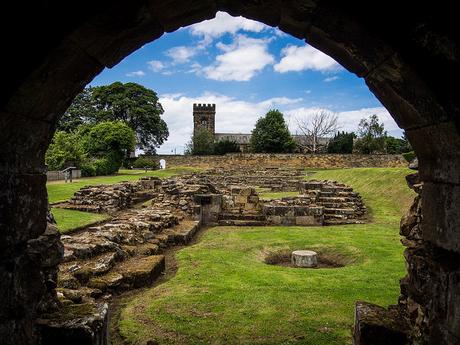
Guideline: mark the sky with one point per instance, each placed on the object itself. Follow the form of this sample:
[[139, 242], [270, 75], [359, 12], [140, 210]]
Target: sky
[[246, 68]]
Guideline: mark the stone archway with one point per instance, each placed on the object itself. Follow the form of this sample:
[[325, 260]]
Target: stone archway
[[408, 57]]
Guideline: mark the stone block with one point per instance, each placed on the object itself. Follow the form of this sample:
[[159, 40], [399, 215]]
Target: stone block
[[306, 220], [441, 215], [375, 325]]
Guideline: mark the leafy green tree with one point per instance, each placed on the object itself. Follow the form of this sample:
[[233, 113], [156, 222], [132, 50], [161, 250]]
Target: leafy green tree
[[371, 136], [271, 134], [226, 146], [131, 103], [397, 146], [201, 143], [66, 149], [342, 142], [111, 140]]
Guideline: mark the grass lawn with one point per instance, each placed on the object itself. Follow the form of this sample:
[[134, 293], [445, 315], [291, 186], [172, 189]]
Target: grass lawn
[[223, 293], [68, 220], [60, 191]]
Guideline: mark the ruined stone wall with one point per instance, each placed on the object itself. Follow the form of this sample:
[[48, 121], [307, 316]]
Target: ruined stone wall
[[285, 160]]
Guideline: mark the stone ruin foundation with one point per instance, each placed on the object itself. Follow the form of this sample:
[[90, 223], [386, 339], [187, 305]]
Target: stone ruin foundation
[[150, 215]]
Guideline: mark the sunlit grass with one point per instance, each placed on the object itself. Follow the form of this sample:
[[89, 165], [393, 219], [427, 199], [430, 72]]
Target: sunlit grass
[[68, 220], [223, 293]]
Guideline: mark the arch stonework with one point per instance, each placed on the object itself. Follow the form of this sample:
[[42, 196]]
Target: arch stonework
[[409, 58]]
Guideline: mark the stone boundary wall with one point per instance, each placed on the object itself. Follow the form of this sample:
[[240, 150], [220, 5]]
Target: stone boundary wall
[[285, 160]]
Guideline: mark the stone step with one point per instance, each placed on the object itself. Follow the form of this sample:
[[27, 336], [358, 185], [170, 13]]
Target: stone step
[[336, 189], [131, 274], [339, 211], [85, 247], [235, 222], [333, 199], [182, 233], [339, 205], [242, 216], [335, 221]]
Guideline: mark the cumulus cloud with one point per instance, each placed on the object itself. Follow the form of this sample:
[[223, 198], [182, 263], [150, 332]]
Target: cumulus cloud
[[236, 116], [155, 65], [329, 79], [135, 74], [181, 54], [232, 115], [347, 120], [241, 60], [302, 58], [224, 23]]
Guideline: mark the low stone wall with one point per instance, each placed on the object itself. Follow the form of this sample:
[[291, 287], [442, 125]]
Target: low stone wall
[[285, 160]]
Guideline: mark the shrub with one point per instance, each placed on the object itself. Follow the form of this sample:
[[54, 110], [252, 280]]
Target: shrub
[[342, 142], [145, 162], [88, 169], [409, 156], [226, 146]]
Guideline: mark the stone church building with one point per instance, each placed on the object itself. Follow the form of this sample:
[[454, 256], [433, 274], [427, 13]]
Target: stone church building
[[204, 117]]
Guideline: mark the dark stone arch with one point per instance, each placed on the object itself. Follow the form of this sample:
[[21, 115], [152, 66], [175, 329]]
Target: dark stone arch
[[409, 58]]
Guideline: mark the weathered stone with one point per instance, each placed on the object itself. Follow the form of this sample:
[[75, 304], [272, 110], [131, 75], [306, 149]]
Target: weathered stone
[[75, 324], [304, 258], [375, 325]]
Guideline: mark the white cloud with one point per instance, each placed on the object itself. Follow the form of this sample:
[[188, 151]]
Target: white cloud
[[297, 58], [241, 60], [232, 115], [135, 74], [225, 23], [348, 120], [329, 79], [235, 116], [181, 54], [156, 65]]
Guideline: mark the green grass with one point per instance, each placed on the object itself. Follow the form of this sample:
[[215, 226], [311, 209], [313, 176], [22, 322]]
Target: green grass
[[59, 191], [68, 220], [223, 293]]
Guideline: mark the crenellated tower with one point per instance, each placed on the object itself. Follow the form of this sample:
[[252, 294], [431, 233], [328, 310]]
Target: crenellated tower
[[204, 116]]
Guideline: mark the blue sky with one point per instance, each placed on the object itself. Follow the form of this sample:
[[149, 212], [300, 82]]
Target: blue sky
[[246, 68]]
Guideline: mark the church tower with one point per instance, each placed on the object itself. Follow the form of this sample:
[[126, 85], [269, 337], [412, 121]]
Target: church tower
[[204, 116]]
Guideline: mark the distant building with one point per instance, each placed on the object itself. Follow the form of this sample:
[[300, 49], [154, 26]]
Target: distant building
[[204, 117]]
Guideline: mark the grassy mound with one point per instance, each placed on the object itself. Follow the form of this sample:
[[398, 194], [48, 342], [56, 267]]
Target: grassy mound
[[224, 293]]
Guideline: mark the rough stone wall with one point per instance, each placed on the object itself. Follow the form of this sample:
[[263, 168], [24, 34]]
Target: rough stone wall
[[285, 160]]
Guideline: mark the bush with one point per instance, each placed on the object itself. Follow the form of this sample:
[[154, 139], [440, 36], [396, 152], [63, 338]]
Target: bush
[[88, 169], [105, 166], [409, 156], [145, 162], [226, 146], [342, 142]]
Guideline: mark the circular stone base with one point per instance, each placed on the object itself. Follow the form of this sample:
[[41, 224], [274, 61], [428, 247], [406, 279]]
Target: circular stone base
[[304, 258]]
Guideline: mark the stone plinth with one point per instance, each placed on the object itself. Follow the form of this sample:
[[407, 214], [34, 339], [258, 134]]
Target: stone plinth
[[304, 258]]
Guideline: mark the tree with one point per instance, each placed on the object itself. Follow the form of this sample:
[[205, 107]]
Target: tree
[[109, 139], [131, 103], [201, 143], [271, 134], [226, 146], [65, 150], [342, 142], [371, 136], [397, 145], [321, 124]]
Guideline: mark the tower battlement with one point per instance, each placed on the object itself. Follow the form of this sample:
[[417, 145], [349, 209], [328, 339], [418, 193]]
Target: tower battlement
[[204, 107]]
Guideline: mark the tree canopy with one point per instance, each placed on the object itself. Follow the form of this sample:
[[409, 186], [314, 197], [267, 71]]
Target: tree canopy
[[342, 142], [271, 134], [201, 143], [371, 136], [130, 103]]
